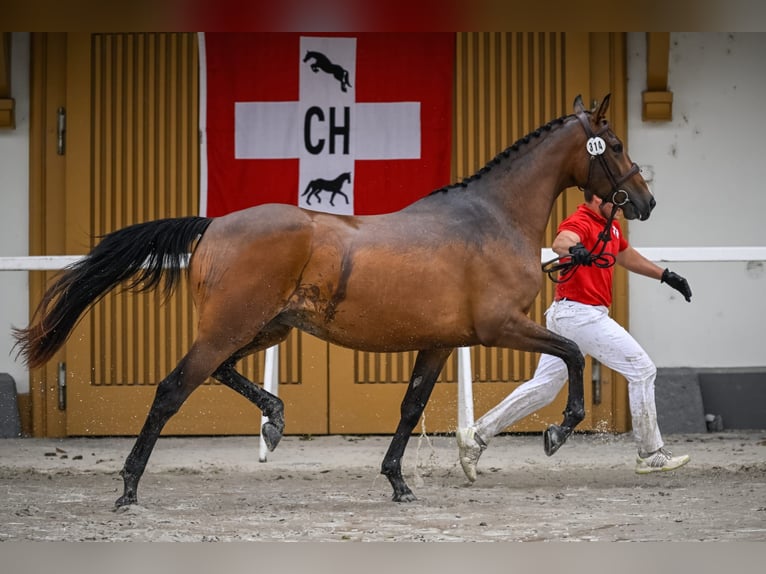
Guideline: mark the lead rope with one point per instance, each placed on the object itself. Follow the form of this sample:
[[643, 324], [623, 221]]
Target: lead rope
[[565, 265]]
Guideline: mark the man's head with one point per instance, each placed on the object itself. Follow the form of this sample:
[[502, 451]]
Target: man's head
[[597, 205]]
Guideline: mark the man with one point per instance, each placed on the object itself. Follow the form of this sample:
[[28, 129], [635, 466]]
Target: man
[[580, 312]]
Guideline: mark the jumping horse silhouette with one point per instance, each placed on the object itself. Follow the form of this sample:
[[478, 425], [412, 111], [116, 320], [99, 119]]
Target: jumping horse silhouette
[[460, 267], [317, 185], [322, 62]]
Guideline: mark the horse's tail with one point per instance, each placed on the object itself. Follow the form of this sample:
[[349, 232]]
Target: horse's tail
[[308, 188], [140, 255]]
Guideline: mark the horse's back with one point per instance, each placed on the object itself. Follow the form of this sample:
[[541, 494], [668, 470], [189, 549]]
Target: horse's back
[[244, 249], [263, 224]]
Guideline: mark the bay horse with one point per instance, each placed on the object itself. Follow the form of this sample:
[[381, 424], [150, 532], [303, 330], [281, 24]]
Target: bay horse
[[459, 267], [334, 186]]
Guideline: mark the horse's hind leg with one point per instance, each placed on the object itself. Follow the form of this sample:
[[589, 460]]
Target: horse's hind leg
[[270, 405], [428, 365], [171, 394]]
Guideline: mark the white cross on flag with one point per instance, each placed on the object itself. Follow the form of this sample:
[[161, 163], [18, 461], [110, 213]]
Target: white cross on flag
[[347, 124]]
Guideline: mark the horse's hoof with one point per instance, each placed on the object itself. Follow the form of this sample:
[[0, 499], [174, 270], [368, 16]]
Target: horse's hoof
[[271, 435], [125, 500], [404, 497], [553, 438]]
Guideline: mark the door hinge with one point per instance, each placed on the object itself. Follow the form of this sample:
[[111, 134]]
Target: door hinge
[[61, 385], [61, 131]]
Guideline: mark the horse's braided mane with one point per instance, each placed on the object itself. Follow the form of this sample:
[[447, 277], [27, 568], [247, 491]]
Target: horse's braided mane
[[505, 154]]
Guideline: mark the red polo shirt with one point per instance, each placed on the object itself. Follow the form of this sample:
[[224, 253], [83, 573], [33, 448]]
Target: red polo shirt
[[591, 285]]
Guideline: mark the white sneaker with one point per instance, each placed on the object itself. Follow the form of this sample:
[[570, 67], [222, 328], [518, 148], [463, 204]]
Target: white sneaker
[[659, 461], [470, 447]]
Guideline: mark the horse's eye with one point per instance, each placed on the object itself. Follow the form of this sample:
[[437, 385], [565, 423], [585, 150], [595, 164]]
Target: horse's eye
[[617, 148]]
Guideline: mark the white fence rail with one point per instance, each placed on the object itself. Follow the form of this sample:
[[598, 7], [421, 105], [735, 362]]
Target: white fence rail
[[659, 254], [465, 393]]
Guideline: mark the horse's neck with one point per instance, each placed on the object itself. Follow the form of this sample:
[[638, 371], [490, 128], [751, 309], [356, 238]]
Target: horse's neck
[[527, 187]]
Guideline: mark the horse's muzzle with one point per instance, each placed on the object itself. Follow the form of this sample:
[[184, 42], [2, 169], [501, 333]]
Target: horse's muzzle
[[652, 203], [642, 214]]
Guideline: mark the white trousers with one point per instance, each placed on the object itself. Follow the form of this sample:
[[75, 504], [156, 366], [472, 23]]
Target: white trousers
[[601, 337]]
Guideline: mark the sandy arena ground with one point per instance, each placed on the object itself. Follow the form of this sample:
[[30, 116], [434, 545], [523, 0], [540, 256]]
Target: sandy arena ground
[[330, 489]]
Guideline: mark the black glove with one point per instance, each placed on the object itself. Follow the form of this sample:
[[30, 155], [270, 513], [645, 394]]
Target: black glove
[[677, 282], [580, 255]]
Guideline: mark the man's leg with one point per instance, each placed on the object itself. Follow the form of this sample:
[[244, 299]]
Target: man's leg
[[537, 392], [609, 343]]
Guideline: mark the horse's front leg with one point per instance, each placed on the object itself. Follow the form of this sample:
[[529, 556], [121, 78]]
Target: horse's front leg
[[428, 365], [522, 333], [574, 413]]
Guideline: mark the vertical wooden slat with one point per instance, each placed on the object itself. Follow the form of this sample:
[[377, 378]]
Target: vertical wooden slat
[[98, 213], [127, 79], [138, 193]]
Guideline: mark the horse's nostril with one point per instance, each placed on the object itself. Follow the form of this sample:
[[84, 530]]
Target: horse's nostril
[[652, 202]]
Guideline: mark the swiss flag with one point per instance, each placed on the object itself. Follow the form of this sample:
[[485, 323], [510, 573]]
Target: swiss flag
[[343, 123]]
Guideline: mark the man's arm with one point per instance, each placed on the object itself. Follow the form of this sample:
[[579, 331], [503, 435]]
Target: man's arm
[[563, 241], [633, 261]]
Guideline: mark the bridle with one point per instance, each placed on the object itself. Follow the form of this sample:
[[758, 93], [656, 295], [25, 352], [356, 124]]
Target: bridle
[[564, 266], [596, 148]]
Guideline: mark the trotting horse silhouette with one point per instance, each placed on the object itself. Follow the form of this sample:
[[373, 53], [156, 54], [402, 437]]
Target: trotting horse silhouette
[[456, 268], [322, 62], [334, 186]]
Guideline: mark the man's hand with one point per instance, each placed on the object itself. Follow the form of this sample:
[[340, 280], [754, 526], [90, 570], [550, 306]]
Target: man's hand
[[580, 255], [678, 283]]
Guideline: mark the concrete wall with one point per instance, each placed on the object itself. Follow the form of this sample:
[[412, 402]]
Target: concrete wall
[[14, 212], [708, 165]]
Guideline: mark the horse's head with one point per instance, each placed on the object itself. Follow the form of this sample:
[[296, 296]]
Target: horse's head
[[611, 174]]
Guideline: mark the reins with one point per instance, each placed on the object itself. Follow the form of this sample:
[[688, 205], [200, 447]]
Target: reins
[[565, 265]]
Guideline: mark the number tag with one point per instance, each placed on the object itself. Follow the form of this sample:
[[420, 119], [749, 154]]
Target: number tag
[[596, 146]]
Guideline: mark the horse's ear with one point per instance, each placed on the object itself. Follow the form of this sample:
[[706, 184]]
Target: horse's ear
[[603, 107], [578, 105]]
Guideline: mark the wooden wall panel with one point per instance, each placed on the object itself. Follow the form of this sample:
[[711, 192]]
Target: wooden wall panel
[[145, 165]]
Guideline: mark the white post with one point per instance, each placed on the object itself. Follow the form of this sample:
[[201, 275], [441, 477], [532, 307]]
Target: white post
[[464, 388], [270, 384]]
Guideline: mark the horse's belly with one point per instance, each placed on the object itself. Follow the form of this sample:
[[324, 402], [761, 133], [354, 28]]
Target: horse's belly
[[383, 298], [380, 328]]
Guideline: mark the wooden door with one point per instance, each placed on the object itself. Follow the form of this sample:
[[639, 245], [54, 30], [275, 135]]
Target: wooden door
[[133, 155]]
